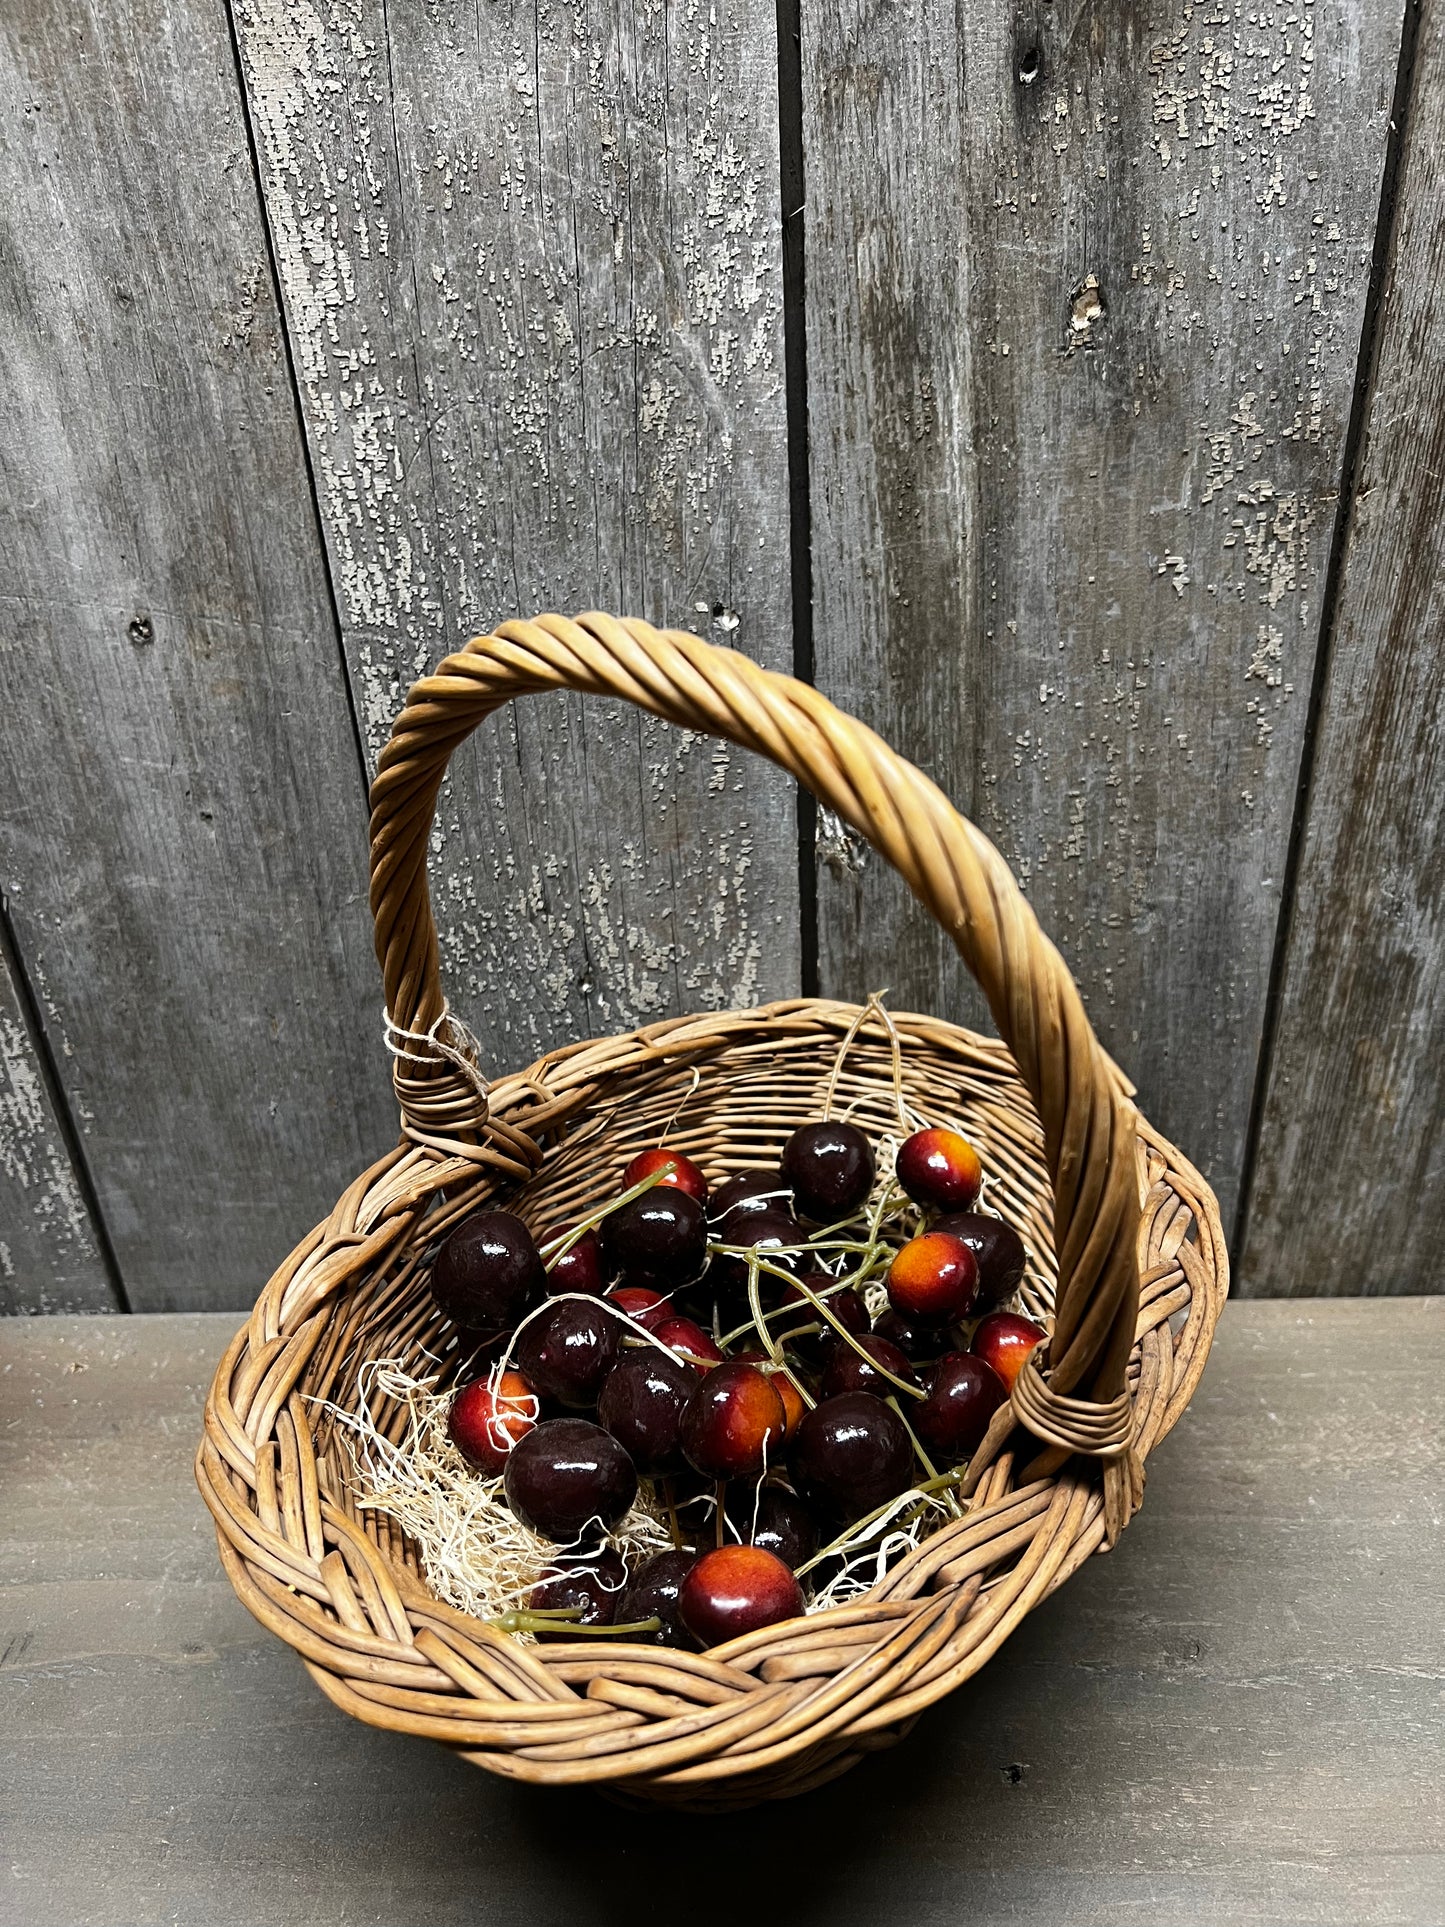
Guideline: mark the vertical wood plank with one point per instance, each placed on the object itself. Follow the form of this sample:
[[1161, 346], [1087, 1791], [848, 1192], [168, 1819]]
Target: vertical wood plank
[[1085, 285], [531, 267], [50, 1257], [1349, 1191], [182, 825]]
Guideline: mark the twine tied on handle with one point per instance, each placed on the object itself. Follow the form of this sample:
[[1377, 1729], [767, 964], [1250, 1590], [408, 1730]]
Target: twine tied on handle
[[446, 1097]]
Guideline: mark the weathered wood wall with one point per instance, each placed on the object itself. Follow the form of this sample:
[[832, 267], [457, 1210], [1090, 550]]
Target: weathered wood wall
[[335, 332]]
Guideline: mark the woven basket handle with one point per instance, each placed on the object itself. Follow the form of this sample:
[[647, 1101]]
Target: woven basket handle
[[1088, 1119]]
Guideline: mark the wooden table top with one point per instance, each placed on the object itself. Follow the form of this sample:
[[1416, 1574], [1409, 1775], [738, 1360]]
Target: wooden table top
[[1235, 1717]]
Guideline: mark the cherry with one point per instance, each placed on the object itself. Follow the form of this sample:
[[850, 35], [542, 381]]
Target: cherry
[[916, 1341], [746, 1194], [939, 1168], [568, 1349], [847, 1307], [1004, 1340], [852, 1454], [487, 1272], [963, 1397], [683, 1335], [652, 1593], [568, 1474], [998, 1248], [767, 1233], [645, 1308], [580, 1267], [642, 1404], [683, 1176], [594, 1583], [787, 1391], [737, 1589], [735, 1422], [830, 1167], [659, 1240], [845, 1371], [933, 1280], [486, 1420], [777, 1520]]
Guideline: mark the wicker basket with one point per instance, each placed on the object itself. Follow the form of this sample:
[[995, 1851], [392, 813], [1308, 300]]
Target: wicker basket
[[1129, 1296]]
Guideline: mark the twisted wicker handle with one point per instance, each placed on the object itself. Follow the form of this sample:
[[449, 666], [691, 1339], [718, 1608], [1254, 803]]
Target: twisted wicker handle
[[1088, 1120]]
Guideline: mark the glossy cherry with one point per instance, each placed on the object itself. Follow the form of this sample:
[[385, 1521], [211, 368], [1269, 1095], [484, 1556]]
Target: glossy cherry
[[1004, 1340], [964, 1395], [486, 1420], [594, 1582], [645, 1308], [658, 1240], [813, 1347], [678, 1172], [566, 1475], [769, 1233], [568, 1349], [851, 1455], [487, 1272], [734, 1424], [696, 1346], [653, 1593], [775, 1518], [737, 1589], [830, 1168], [939, 1168], [933, 1280], [918, 1342], [845, 1371], [746, 1194], [579, 1268], [642, 1404], [787, 1391], [998, 1249]]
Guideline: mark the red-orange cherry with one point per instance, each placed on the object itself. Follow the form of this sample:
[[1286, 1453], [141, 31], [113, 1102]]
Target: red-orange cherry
[[939, 1168], [734, 1424], [1004, 1340], [965, 1393], [737, 1589], [933, 1280], [998, 1248], [684, 1336], [487, 1420], [683, 1175], [579, 1268], [787, 1391]]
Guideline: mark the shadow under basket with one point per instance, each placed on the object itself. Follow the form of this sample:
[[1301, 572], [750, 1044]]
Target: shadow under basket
[[1127, 1273]]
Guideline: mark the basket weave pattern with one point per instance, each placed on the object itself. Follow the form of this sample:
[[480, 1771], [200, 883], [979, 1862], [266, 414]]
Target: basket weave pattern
[[1127, 1271]]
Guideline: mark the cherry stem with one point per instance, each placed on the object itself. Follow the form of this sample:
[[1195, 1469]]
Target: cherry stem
[[770, 1344], [718, 1514], [559, 1246], [544, 1619], [929, 1467], [913, 1391]]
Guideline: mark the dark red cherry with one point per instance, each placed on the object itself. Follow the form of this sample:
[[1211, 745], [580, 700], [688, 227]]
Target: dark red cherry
[[1004, 1341], [845, 1371], [773, 1517], [813, 1347], [769, 1233], [737, 1589], [964, 1395], [734, 1423], [677, 1171], [579, 1268], [487, 1272], [659, 1240], [645, 1308], [682, 1335], [851, 1455], [830, 1167], [486, 1420], [933, 1280], [917, 1341], [653, 1593], [569, 1348], [594, 1582], [998, 1249], [566, 1475], [642, 1404], [745, 1195], [939, 1168]]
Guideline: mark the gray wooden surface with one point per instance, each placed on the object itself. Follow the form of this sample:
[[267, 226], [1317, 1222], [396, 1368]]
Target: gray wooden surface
[[1235, 1718], [181, 806], [532, 273], [1085, 286], [1354, 1109]]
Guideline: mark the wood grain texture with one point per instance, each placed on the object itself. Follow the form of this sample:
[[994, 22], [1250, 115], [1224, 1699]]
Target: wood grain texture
[[1350, 1182], [531, 266], [50, 1258], [1077, 408], [1235, 1718], [182, 824]]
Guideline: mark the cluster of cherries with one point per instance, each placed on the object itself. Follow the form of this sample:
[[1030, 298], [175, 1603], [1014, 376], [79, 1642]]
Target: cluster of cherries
[[718, 1355]]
